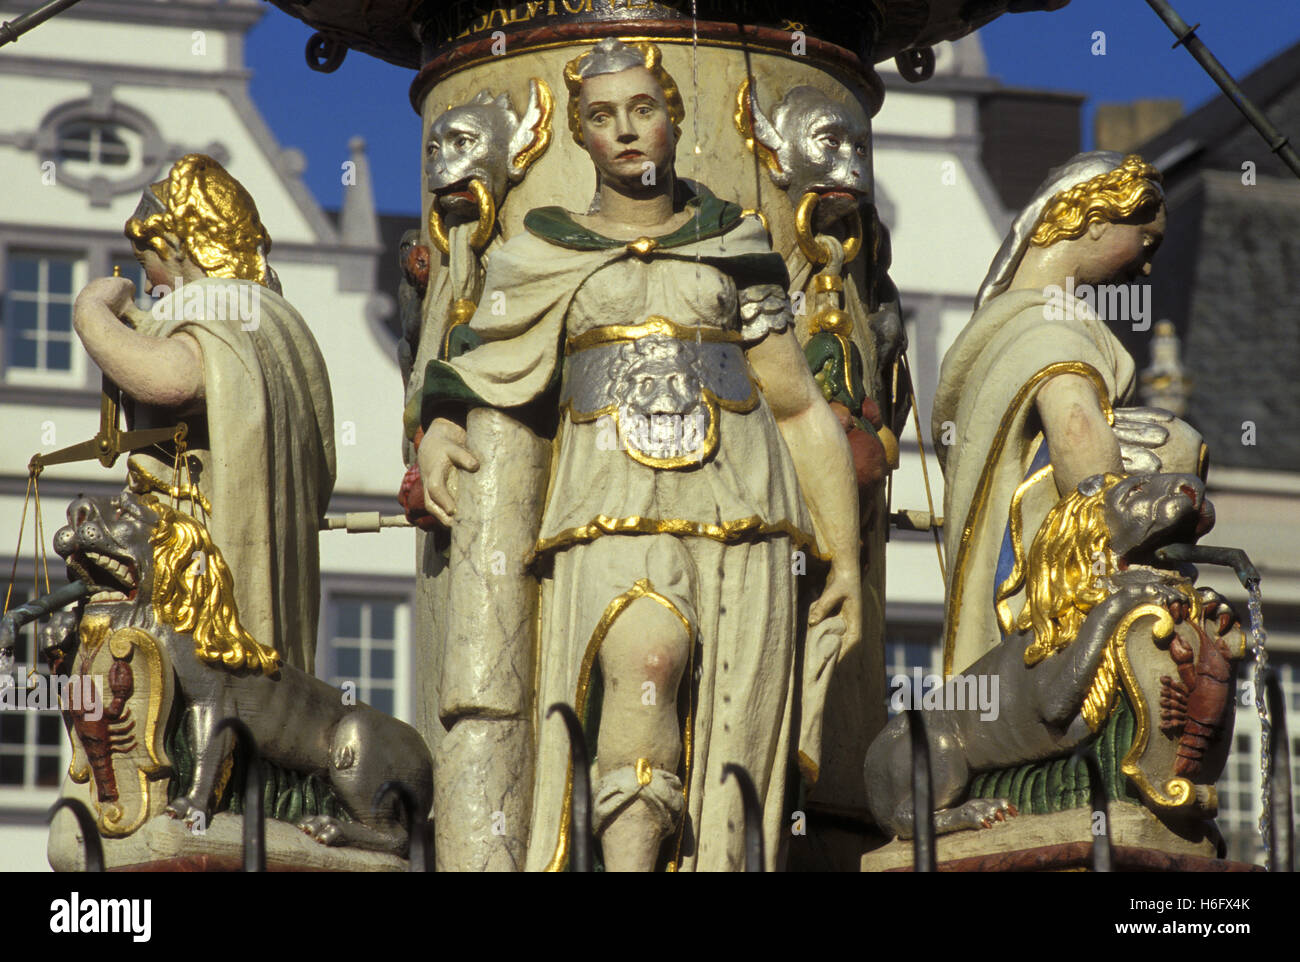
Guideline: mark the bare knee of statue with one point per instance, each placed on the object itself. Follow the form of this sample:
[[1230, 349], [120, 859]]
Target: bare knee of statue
[[638, 797]]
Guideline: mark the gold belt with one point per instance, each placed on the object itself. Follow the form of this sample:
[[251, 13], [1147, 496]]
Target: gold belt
[[652, 325]]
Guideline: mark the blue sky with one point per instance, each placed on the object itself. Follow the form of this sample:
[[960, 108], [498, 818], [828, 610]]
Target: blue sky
[[318, 113]]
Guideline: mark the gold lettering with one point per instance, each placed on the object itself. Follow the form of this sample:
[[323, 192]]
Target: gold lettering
[[493, 16], [550, 8], [480, 24], [583, 6], [533, 7]]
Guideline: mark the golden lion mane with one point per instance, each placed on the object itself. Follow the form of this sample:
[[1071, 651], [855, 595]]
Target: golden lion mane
[[1068, 555], [1068, 558], [194, 593]]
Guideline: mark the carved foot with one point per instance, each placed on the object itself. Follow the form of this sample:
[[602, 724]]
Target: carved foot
[[976, 813], [185, 809], [325, 829]]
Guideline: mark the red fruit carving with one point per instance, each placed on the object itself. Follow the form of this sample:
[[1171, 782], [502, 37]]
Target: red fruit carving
[[411, 493], [416, 267]]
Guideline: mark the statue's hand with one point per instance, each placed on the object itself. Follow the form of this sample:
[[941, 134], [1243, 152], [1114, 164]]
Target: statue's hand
[[843, 593], [442, 451], [114, 293]]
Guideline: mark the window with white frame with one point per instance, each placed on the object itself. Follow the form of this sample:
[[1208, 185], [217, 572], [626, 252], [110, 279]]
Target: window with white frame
[[97, 143], [368, 645], [910, 645], [39, 343], [32, 743], [1239, 785]]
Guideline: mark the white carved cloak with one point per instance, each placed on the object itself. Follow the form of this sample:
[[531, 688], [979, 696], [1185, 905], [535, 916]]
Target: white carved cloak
[[265, 442], [988, 386]]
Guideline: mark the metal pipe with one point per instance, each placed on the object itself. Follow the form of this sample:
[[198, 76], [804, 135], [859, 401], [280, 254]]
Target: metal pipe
[[91, 844], [15, 618], [753, 816], [923, 855], [254, 808], [580, 797], [1281, 845], [1233, 558], [11, 30], [1186, 35], [1103, 856], [416, 825], [28, 612]]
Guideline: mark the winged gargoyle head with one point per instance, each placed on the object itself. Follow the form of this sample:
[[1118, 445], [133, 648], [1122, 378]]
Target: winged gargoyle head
[[810, 143], [485, 140]]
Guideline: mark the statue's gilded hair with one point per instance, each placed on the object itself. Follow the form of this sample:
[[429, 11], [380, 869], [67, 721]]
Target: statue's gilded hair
[[1130, 189], [611, 56], [194, 593], [1067, 558], [213, 217]]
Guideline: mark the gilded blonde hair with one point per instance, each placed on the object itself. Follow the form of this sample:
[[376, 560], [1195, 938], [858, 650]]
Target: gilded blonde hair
[[213, 217], [194, 593], [1114, 196], [611, 56], [1067, 558]]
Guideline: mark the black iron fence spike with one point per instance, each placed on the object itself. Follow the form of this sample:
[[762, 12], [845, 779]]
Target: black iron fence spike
[[753, 814], [923, 853], [580, 799], [1103, 856], [254, 826], [91, 844], [412, 818]]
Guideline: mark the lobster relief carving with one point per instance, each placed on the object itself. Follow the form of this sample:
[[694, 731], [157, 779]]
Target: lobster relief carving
[[1197, 706]]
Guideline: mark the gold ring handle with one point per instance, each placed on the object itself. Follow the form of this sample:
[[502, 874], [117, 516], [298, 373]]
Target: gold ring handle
[[487, 215], [816, 251]]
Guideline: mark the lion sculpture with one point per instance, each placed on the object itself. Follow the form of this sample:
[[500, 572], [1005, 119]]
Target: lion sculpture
[[1056, 671], [153, 569]]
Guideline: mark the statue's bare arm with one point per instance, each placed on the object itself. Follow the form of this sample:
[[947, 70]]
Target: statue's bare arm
[[1080, 439], [159, 371], [824, 464]]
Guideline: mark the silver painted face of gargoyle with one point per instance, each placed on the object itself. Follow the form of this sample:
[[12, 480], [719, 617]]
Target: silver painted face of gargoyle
[[486, 140], [819, 145]]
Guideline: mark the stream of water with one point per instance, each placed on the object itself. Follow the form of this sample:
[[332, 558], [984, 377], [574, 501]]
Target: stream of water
[[1257, 639]]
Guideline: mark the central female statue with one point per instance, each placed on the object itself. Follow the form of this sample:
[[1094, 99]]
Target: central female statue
[[695, 466]]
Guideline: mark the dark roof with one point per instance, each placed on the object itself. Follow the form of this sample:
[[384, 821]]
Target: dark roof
[[1218, 136], [1228, 275]]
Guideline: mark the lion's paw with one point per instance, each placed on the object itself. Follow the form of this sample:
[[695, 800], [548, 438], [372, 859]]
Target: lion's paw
[[325, 829], [1218, 612], [53, 635], [184, 809], [976, 813]]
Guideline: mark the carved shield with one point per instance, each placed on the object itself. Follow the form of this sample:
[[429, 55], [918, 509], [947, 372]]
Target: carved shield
[[117, 726], [1179, 674]]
